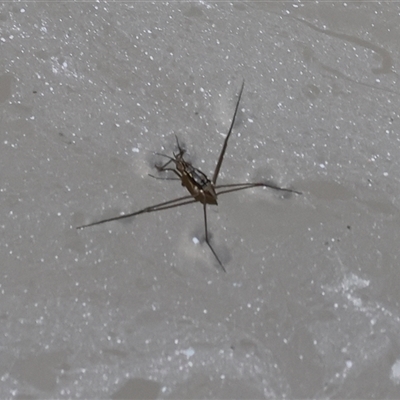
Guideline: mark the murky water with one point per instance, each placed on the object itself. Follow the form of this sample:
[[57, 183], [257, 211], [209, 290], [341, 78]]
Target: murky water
[[309, 306]]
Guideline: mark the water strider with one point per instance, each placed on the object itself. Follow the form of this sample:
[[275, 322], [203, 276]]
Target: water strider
[[200, 187]]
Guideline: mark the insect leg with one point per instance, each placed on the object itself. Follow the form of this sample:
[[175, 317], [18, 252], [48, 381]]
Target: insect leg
[[157, 207], [162, 167], [207, 241], [221, 156], [234, 187], [171, 159], [165, 179]]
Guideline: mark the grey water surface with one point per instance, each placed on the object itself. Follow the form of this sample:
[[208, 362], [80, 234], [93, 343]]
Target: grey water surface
[[309, 305]]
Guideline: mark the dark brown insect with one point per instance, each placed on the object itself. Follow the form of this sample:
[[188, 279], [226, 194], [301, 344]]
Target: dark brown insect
[[201, 188]]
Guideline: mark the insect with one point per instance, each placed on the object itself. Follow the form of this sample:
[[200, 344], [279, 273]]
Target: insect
[[200, 187]]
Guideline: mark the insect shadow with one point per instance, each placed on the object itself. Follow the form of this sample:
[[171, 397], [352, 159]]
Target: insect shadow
[[200, 187]]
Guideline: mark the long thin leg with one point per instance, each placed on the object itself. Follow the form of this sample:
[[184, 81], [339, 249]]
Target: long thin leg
[[157, 207], [221, 156], [207, 241], [164, 179], [234, 187]]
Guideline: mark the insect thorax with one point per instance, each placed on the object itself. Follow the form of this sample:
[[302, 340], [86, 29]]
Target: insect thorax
[[197, 183]]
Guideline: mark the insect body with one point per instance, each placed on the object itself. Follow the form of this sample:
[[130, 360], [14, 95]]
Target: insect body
[[195, 181], [200, 187]]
